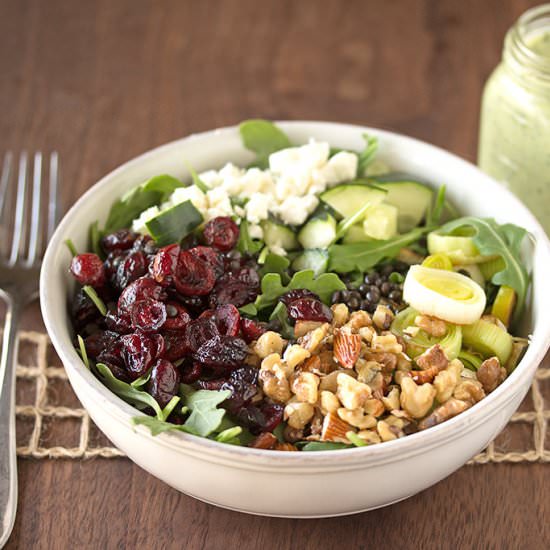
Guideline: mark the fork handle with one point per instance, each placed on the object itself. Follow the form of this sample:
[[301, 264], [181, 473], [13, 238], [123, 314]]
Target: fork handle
[[8, 458]]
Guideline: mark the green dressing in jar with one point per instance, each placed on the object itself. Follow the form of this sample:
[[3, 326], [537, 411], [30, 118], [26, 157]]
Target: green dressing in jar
[[514, 141]]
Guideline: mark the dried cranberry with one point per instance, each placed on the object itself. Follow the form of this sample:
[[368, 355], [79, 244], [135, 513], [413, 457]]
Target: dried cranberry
[[297, 294], [190, 241], [264, 417], [100, 341], [123, 239], [243, 384], [211, 257], [309, 309], [139, 351], [227, 319], [148, 314], [235, 293], [194, 304], [198, 332], [139, 290], [145, 244], [131, 268], [175, 345], [193, 275], [164, 381], [118, 372], [88, 269], [226, 352], [159, 345], [165, 263], [273, 415], [222, 233], [190, 372], [213, 385], [251, 329], [248, 276], [116, 323], [83, 310], [112, 354], [177, 316]]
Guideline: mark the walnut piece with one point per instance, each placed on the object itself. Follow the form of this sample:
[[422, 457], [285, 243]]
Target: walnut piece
[[491, 374], [432, 325], [433, 357], [294, 355], [470, 391], [357, 418], [352, 394], [269, 342], [298, 414], [382, 317], [304, 386], [329, 402], [416, 400], [386, 343], [449, 409], [445, 382], [340, 315], [312, 340]]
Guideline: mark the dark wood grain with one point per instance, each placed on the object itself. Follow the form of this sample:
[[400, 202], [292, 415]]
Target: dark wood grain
[[102, 81]]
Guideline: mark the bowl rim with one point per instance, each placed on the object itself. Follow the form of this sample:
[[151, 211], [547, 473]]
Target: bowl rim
[[388, 452]]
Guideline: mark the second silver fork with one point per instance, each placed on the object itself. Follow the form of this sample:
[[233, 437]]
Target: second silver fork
[[26, 217]]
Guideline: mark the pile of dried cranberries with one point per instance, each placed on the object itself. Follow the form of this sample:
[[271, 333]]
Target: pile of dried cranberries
[[173, 311]]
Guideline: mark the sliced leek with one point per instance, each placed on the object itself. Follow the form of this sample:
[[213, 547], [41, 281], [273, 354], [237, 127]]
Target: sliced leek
[[504, 304], [471, 271], [488, 339], [438, 261], [491, 267], [471, 361], [459, 247], [444, 294], [419, 342]]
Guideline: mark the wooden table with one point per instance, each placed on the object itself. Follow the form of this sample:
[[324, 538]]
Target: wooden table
[[104, 81]]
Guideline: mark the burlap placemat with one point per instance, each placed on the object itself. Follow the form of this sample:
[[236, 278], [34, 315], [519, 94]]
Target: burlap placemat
[[51, 423]]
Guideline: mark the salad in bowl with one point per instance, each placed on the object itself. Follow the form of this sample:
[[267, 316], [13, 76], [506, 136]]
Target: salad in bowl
[[312, 300]]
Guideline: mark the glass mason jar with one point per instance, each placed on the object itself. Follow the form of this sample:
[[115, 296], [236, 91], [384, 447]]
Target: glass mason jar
[[514, 140]]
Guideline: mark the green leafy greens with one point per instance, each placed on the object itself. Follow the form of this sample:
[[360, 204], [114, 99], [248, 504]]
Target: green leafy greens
[[246, 244], [501, 240], [263, 138], [366, 156], [345, 258]]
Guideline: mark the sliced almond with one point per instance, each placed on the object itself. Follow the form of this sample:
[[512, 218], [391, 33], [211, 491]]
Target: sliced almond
[[347, 348], [335, 429]]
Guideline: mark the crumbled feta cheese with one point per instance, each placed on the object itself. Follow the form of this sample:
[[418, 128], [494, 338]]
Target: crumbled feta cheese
[[255, 231], [295, 210], [257, 208], [192, 193], [341, 167], [307, 157], [219, 199], [138, 225]]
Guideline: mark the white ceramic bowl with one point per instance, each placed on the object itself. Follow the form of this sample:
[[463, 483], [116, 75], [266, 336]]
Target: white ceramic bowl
[[327, 483]]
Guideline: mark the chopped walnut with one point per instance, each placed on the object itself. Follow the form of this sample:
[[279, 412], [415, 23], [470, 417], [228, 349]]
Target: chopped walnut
[[445, 382], [294, 355], [312, 340], [329, 402], [274, 362], [327, 362], [340, 315], [433, 357], [391, 401], [386, 343], [378, 385], [416, 400], [285, 447], [432, 325], [301, 328], [273, 379], [374, 406], [292, 434], [450, 408], [329, 382], [357, 418], [470, 391], [298, 414], [304, 386], [491, 374], [367, 370], [265, 440], [383, 317], [269, 342], [367, 333], [359, 319], [352, 394], [384, 431]]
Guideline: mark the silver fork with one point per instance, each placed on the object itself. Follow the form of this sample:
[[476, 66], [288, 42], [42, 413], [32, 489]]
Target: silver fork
[[28, 217]]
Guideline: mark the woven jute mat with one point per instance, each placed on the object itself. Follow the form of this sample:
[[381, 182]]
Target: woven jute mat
[[51, 423]]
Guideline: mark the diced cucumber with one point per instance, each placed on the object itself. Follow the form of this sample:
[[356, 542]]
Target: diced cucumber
[[175, 223], [279, 235], [315, 259], [318, 232], [381, 222], [346, 199], [411, 197], [355, 234]]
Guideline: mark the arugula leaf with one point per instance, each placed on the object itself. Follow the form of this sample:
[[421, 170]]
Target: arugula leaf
[[248, 310], [263, 138], [137, 398], [324, 446], [164, 185], [355, 439], [346, 223], [272, 286], [205, 417], [72, 248], [158, 426], [82, 350], [92, 294], [366, 156], [435, 211], [246, 244], [281, 314], [95, 240], [196, 178], [345, 258], [229, 435], [142, 380], [274, 264], [505, 241]]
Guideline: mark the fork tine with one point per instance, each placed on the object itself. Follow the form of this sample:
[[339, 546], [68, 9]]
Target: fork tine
[[19, 227], [4, 179], [34, 240], [53, 205]]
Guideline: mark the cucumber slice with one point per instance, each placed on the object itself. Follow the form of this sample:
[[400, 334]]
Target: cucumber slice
[[318, 232], [411, 197], [381, 222], [279, 235], [315, 259], [175, 223], [355, 234], [348, 198]]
